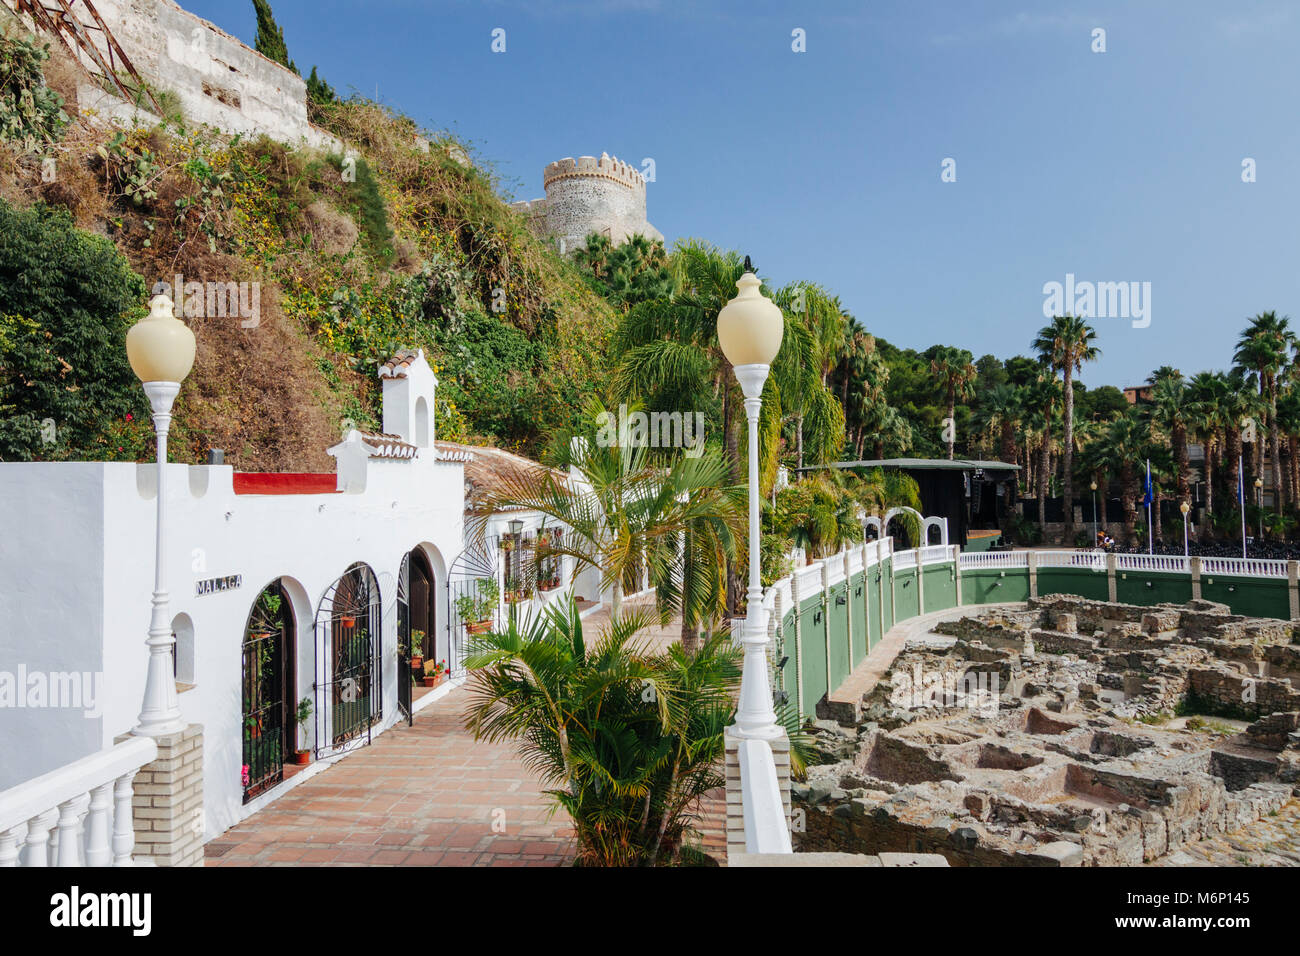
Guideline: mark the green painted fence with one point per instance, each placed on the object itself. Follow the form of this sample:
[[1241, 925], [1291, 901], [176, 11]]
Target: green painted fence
[[831, 632]]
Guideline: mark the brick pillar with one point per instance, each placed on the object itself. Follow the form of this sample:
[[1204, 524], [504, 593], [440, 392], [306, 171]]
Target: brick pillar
[[167, 801], [735, 798], [1111, 588], [1196, 579], [1033, 573]]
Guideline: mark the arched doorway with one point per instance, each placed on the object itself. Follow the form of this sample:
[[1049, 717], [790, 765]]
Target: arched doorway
[[267, 726], [349, 695], [416, 620]]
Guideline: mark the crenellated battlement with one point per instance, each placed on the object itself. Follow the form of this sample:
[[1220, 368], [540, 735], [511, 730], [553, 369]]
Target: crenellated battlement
[[606, 167]]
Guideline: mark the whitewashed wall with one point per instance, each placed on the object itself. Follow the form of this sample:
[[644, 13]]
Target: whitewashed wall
[[76, 562]]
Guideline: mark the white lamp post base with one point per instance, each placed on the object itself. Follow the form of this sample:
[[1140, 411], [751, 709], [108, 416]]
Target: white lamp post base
[[755, 715], [161, 712]]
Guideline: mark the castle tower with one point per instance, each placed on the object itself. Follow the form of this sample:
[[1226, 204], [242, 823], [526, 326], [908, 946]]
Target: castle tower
[[605, 196]]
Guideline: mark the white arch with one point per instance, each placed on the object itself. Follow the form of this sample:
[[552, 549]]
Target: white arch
[[941, 524], [873, 521]]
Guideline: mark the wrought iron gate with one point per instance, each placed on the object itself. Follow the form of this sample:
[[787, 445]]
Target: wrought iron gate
[[466, 585], [264, 720], [349, 692], [405, 676]]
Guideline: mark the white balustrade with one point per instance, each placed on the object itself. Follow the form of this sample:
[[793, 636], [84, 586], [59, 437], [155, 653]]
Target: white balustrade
[[85, 806], [1090, 560], [935, 554], [1244, 567], [975, 560], [1162, 563], [904, 559]]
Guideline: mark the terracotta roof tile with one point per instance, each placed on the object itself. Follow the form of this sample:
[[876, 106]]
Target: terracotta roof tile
[[396, 366]]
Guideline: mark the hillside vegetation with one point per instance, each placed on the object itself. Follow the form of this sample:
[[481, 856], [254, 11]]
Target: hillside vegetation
[[390, 246]]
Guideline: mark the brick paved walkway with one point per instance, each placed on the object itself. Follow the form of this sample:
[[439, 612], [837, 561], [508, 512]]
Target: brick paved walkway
[[426, 795]]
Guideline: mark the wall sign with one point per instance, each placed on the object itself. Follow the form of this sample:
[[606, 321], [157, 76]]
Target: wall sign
[[216, 585]]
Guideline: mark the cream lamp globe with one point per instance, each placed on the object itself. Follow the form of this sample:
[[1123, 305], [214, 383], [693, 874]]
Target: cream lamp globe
[[750, 326], [160, 346], [1184, 508]]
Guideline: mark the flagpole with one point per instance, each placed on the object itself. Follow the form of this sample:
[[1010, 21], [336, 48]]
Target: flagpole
[[1241, 503]]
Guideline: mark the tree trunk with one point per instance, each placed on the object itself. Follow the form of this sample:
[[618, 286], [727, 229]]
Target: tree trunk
[[1129, 486], [952, 424], [1233, 448], [798, 439], [1274, 446], [1181, 461], [1067, 455], [1209, 484], [1008, 454], [1043, 456]]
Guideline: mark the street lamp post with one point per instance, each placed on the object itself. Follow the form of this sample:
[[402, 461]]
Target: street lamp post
[[160, 348], [1095, 534], [1185, 508], [750, 328]]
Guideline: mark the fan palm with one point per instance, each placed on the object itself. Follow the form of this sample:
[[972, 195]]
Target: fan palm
[[1065, 343], [954, 370], [1264, 347]]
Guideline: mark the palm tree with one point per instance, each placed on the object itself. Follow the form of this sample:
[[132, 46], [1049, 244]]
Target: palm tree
[[621, 511], [1127, 443], [1001, 408], [1171, 409], [1065, 344], [1040, 399], [668, 354], [954, 370], [1209, 418], [1264, 347], [628, 741]]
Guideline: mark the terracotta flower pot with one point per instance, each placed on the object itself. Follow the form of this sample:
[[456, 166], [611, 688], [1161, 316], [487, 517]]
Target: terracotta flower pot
[[479, 627], [428, 681], [302, 757]]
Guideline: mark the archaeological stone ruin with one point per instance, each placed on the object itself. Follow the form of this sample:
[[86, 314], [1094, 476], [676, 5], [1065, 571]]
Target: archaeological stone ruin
[[1068, 733]]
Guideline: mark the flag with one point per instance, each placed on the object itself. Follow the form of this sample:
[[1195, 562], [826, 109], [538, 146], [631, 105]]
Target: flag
[[1147, 495], [1241, 484]]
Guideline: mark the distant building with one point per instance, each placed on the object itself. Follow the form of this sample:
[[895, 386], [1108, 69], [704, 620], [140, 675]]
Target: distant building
[[1133, 394]]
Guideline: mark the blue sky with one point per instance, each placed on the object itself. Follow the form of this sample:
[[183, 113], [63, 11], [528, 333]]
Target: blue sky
[[825, 165]]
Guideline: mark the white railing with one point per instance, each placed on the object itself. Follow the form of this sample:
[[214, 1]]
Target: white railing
[[1164, 563], [766, 828], [975, 560], [1091, 560], [77, 815], [904, 559], [1245, 567], [935, 553]]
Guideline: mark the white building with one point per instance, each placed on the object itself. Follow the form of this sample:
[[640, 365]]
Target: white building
[[284, 588]]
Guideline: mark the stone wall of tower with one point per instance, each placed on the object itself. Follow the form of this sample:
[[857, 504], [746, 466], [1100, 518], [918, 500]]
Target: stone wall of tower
[[585, 195]]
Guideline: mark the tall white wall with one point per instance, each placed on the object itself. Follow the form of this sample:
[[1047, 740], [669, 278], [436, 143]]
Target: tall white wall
[[80, 550]]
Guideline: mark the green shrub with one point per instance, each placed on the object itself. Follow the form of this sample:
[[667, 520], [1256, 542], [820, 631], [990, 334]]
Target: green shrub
[[31, 113], [67, 299]]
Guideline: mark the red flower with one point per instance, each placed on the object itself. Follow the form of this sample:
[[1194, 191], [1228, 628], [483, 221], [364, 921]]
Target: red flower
[[129, 417]]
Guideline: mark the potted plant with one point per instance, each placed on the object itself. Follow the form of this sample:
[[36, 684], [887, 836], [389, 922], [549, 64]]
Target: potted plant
[[516, 590], [417, 651], [476, 609], [347, 620], [301, 716], [435, 672]]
